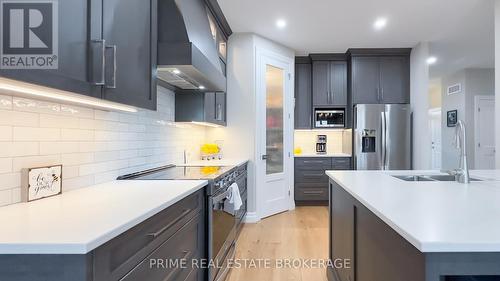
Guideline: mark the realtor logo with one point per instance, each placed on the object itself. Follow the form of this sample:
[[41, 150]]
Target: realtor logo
[[29, 34]]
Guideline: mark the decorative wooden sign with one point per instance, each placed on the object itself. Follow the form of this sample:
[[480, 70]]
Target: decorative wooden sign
[[41, 182]]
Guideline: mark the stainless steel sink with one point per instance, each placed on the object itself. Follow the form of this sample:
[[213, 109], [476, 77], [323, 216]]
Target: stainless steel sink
[[429, 178]]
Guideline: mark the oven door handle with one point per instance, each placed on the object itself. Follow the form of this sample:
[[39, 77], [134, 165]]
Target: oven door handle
[[222, 196]]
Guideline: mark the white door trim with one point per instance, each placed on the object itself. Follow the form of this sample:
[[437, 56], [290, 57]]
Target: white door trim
[[260, 54], [476, 124]]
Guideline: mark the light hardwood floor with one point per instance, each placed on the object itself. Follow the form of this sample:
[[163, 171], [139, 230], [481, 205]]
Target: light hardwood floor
[[298, 234]]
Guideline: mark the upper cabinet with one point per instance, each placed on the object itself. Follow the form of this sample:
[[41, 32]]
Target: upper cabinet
[[78, 24], [129, 33], [106, 49], [380, 76], [329, 83], [208, 108], [303, 89]]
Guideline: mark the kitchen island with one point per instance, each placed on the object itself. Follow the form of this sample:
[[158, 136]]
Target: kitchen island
[[392, 230]]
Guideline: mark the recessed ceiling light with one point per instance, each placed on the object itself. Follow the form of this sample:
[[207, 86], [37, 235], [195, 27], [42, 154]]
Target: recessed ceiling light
[[176, 71], [431, 60], [380, 23], [281, 23], [201, 87]]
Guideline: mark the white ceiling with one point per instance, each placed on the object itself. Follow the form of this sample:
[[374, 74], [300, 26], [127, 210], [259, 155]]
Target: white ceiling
[[458, 30]]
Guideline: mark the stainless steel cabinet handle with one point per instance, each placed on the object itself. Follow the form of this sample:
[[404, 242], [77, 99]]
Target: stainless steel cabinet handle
[[113, 82], [312, 162], [102, 44], [382, 94], [378, 94], [313, 175], [219, 112], [163, 229], [313, 192]]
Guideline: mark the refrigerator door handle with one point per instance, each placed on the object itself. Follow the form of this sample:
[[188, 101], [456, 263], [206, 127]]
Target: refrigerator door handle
[[384, 140]]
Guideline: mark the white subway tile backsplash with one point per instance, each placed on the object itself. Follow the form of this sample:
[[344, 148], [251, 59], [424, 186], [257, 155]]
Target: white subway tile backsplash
[[77, 111], [19, 163], [77, 158], [30, 105], [77, 135], [58, 121], [16, 195], [78, 182], [18, 118], [5, 197], [70, 172], [59, 147], [36, 134], [94, 146], [5, 102], [5, 133], [5, 165], [16, 149], [10, 181]]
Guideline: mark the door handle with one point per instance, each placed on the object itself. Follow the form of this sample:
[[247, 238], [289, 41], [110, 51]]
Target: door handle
[[384, 140], [113, 79], [264, 157], [102, 44]]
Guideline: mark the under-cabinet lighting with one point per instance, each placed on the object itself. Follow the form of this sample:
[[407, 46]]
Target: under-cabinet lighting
[[201, 87], [205, 124], [16, 88], [176, 71]]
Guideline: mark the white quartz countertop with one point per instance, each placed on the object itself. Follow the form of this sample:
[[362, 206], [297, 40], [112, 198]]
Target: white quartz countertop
[[223, 162], [323, 155], [433, 216], [79, 221]]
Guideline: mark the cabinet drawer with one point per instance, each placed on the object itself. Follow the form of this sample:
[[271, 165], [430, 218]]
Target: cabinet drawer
[[305, 176], [341, 163], [311, 194], [311, 185], [118, 256], [313, 163], [185, 245]]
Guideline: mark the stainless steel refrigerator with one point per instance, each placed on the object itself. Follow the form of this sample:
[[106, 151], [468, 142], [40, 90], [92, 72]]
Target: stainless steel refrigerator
[[382, 137]]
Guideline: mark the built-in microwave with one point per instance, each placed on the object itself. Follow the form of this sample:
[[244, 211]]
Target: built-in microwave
[[329, 118]]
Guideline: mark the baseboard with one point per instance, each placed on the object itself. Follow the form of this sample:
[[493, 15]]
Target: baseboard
[[251, 217]]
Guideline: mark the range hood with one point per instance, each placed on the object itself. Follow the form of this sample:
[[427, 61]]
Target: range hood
[[187, 53]]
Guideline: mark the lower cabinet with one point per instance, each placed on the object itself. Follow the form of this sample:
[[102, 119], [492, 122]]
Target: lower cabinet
[[177, 233], [374, 250], [311, 181]]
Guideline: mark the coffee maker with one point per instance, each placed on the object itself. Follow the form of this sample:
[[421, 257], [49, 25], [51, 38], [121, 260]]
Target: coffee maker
[[321, 144]]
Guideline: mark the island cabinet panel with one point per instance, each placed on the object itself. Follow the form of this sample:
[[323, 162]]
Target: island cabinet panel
[[342, 212], [382, 254], [376, 252]]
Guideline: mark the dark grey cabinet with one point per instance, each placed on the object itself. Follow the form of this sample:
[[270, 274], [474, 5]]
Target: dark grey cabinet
[[329, 83], [107, 49], [129, 31], [380, 79], [395, 80], [178, 232], [342, 212], [207, 107], [78, 24], [311, 181], [303, 96]]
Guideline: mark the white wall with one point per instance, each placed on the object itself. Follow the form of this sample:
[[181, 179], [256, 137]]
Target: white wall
[[497, 80], [419, 79], [94, 146], [475, 81]]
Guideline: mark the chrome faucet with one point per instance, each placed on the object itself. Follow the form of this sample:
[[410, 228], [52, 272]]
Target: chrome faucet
[[462, 173]]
